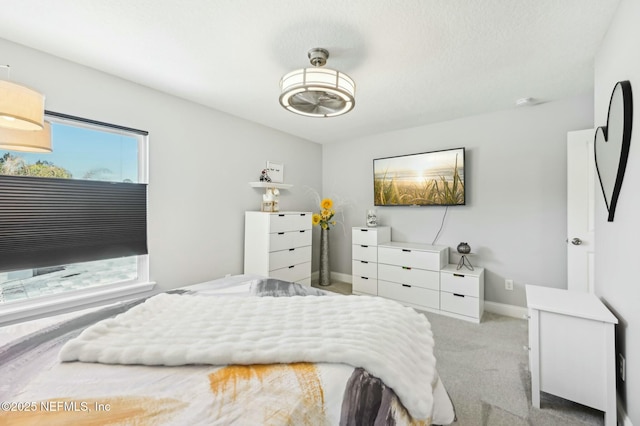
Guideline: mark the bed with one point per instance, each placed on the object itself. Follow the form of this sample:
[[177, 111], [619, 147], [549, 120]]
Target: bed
[[243, 350]]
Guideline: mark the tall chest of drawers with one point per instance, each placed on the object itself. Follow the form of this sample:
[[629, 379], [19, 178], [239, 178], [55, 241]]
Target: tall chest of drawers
[[278, 245], [365, 257], [409, 273]]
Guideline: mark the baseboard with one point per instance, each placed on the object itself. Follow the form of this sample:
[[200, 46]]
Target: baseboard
[[623, 418], [338, 276], [513, 311]]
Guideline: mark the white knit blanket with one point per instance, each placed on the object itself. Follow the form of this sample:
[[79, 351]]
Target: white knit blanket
[[389, 340]]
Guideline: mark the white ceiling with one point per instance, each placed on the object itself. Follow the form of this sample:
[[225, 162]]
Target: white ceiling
[[414, 61]]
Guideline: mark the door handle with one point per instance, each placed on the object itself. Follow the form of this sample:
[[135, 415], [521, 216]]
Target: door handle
[[576, 241]]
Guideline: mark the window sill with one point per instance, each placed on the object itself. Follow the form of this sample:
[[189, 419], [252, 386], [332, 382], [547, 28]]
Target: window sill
[[12, 313]]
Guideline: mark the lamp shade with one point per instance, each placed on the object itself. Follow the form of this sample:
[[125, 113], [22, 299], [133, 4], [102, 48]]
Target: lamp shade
[[20, 107], [317, 92], [26, 140]]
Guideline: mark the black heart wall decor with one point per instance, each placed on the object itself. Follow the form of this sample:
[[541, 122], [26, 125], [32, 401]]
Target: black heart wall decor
[[612, 143]]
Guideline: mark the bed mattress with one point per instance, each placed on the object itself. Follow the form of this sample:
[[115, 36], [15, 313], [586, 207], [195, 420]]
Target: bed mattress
[[37, 387]]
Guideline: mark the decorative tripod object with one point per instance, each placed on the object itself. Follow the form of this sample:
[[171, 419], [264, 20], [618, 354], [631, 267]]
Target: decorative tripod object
[[464, 249], [464, 262]]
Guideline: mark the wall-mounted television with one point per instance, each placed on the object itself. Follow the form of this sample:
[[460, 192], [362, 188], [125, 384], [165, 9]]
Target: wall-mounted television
[[426, 179]]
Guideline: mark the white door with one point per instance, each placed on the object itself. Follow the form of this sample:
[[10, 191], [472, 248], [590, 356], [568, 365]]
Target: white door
[[581, 187]]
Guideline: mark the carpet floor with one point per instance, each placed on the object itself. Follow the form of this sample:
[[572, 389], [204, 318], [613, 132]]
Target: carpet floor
[[485, 369]]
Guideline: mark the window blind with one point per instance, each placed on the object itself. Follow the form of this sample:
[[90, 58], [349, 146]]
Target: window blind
[[50, 222]]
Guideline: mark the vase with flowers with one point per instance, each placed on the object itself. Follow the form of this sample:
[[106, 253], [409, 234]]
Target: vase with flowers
[[324, 219]]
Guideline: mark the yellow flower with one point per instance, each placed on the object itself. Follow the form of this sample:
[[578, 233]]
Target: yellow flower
[[326, 214], [326, 203]]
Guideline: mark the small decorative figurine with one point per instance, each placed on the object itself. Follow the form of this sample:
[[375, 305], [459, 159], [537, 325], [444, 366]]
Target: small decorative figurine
[[264, 177], [270, 200], [372, 218]]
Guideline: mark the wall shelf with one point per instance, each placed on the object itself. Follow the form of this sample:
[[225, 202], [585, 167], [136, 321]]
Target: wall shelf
[[270, 185]]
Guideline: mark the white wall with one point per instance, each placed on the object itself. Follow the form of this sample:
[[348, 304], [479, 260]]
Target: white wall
[[616, 277], [515, 176], [201, 161]]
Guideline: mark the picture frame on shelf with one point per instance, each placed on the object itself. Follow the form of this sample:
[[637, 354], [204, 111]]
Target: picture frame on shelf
[[275, 171]]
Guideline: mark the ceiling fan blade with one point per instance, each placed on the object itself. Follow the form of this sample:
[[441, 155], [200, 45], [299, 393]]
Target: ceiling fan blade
[[317, 102]]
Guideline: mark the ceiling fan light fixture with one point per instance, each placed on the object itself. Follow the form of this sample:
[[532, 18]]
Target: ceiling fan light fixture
[[26, 140], [21, 108], [317, 92]]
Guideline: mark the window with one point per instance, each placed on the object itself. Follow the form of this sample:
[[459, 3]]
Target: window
[[74, 219]]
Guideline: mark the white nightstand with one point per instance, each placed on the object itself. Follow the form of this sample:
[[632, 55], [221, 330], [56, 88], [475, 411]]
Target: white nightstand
[[572, 350], [462, 293]]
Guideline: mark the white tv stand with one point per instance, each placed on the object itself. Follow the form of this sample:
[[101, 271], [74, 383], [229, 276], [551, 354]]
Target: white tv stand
[[417, 275]]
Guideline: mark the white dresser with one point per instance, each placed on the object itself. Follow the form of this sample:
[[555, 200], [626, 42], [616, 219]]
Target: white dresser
[[365, 257], [572, 348], [462, 292], [417, 275], [410, 273], [278, 245]]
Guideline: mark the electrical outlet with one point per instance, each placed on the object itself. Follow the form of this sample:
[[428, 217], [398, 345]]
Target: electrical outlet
[[623, 367], [508, 284]]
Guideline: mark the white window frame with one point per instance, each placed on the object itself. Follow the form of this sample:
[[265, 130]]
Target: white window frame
[[30, 309]]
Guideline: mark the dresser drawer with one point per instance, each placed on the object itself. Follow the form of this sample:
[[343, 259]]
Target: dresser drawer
[[286, 240], [364, 252], [460, 283], [412, 276], [295, 273], [284, 222], [370, 236], [460, 304], [409, 294], [432, 260], [365, 285], [364, 269], [294, 256]]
